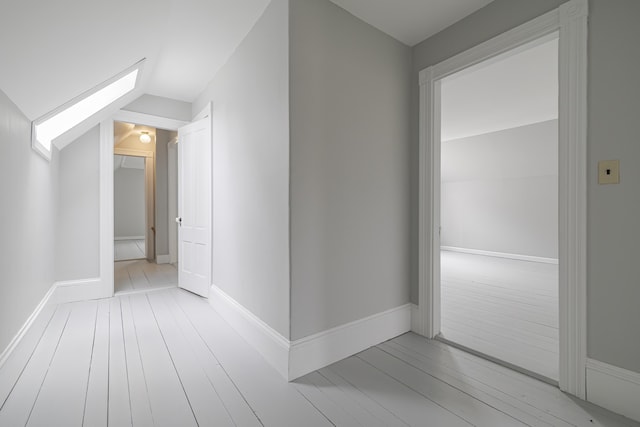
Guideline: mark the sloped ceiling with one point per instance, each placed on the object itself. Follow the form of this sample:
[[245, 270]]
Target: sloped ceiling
[[411, 21], [53, 51]]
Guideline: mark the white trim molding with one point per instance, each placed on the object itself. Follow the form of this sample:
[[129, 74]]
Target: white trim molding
[[614, 388], [519, 257], [77, 290], [322, 349], [266, 340], [572, 163], [128, 238], [148, 120], [6, 353], [293, 359], [569, 24], [106, 208]]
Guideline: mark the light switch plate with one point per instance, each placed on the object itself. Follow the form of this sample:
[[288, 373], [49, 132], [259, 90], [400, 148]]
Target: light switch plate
[[609, 172]]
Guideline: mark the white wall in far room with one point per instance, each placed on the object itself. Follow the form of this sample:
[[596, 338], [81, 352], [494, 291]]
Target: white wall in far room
[[500, 191], [129, 202]]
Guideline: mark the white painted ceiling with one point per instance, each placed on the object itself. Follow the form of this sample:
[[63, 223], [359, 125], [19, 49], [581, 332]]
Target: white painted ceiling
[[53, 51], [411, 21], [503, 93], [124, 130]]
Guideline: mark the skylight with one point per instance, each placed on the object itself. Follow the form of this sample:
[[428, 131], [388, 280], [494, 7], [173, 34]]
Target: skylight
[[46, 129]]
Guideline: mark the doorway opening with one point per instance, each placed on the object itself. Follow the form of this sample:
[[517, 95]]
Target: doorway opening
[[142, 207], [499, 208], [567, 23]]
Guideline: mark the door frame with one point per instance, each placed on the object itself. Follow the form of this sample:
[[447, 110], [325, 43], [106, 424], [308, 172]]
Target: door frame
[[106, 186], [570, 21], [172, 160]]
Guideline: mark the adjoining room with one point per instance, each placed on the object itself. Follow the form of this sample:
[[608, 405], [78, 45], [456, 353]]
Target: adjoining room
[[499, 209]]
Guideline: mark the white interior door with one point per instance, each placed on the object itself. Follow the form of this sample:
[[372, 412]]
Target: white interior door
[[194, 207]]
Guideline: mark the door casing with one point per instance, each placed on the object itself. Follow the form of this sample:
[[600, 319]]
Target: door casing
[[106, 287], [570, 22]]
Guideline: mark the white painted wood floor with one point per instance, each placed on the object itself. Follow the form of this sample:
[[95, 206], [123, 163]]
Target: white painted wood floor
[[142, 275], [128, 249], [504, 308], [166, 358]]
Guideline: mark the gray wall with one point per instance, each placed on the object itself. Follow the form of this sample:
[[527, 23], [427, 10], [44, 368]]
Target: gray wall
[[250, 95], [613, 211], [129, 203], [78, 225], [162, 107], [349, 179], [162, 191], [494, 19], [29, 187], [500, 191]]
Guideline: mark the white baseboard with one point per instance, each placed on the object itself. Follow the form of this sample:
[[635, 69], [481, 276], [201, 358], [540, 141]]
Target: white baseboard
[[130, 238], [77, 290], [163, 259], [614, 388], [322, 349], [266, 340], [501, 254], [295, 359], [27, 325]]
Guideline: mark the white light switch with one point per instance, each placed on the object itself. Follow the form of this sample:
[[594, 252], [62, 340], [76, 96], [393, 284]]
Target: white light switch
[[609, 172]]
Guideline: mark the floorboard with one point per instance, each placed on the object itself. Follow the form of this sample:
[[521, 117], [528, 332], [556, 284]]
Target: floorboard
[[119, 413], [411, 407], [14, 366], [205, 403], [232, 398], [463, 405], [69, 371], [18, 406], [139, 399], [166, 358], [274, 401], [333, 398], [169, 403], [142, 275], [96, 404], [355, 396], [504, 308], [129, 249], [524, 389]]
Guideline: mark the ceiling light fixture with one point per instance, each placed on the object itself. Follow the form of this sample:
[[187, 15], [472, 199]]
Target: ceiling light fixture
[[145, 138]]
